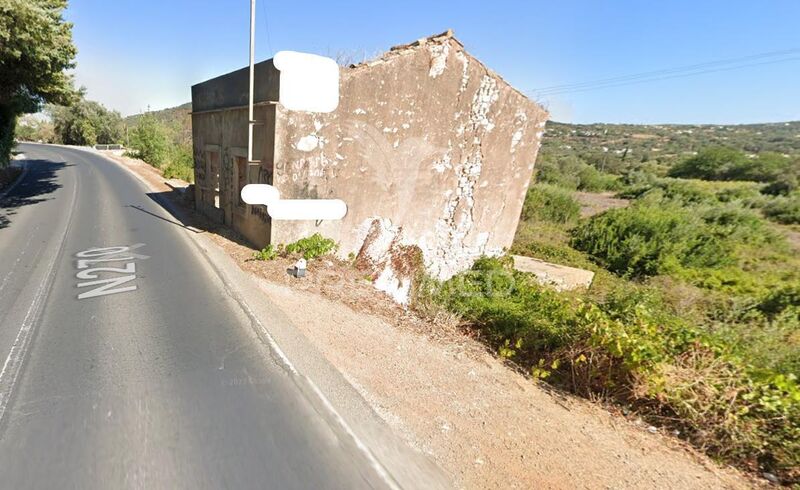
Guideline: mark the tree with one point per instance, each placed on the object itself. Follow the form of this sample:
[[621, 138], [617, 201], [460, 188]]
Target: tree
[[36, 49], [149, 140], [32, 128], [714, 163], [86, 123]]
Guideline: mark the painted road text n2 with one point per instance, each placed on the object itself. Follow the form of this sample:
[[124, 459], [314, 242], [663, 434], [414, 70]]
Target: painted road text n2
[[110, 270]]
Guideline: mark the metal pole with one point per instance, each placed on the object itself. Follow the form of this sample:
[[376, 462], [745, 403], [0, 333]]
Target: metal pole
[[250, 119]]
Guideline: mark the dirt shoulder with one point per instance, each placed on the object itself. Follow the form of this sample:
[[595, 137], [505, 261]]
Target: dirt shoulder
[[436, 386]]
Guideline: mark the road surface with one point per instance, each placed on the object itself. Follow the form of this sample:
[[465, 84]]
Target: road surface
[[126, 364]]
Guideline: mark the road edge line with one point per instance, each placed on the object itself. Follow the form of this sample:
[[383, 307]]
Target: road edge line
[[16, 356]]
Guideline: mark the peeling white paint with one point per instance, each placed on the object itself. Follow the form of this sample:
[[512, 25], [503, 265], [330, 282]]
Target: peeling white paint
[[487, 94], [383, 235], [465, 70], [392, 285], [439, 54], [516, 138], [443, 163], [521, 119], [307, 143]]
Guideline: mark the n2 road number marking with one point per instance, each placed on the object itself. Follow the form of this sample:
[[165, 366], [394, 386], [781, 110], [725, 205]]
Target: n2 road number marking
[[96, 262]]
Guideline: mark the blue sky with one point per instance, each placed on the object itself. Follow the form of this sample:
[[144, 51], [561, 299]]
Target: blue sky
[[135, 54]]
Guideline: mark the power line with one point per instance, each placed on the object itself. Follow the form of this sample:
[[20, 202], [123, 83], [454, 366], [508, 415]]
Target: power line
[[681, 75], [678, 72]]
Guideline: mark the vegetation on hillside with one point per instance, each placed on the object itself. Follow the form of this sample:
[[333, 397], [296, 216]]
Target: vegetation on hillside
[[162, 146], [693, 319]]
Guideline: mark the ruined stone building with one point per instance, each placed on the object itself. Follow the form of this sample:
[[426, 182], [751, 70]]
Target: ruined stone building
[[431, 151]]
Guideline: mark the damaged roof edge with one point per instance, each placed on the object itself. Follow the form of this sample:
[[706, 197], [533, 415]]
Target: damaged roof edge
[[446, 36]]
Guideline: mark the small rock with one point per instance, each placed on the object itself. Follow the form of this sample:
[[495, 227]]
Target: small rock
[[652, 429], [771, 477]]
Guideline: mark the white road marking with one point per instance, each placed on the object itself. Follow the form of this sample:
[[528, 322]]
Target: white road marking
[[110, 285], [11, 367]]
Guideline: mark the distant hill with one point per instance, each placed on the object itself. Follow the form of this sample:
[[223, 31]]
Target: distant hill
[[668, 142], [177, 119]]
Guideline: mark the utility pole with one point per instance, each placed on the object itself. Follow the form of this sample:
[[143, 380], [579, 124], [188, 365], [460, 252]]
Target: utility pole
[[250, 118]]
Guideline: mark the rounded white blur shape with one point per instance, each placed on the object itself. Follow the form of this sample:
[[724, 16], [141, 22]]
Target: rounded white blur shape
[[307, 209], [260, 194], [308, 82]]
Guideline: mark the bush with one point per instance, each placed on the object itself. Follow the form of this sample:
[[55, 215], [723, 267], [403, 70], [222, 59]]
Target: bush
[[180, 163], [784, 209], [269, 253], [86, 123], [781, 300], [571, 172], [312, 247], [720, 163], [737, 225], [633, 348], [149, 141], [647, 239], [592, 180], [713, 163], [550, 204]]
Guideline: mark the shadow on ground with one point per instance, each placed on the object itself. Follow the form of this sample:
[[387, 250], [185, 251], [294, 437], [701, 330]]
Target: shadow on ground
[[36, 186], [181, 209]]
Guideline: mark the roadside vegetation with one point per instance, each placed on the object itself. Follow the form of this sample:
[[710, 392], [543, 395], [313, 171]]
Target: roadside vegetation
[[36, 50], [149, 136], [693, 319], [309, 248], [162, 146]]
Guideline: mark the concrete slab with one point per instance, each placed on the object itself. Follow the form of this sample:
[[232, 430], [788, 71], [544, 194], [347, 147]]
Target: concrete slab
[[562, 277]]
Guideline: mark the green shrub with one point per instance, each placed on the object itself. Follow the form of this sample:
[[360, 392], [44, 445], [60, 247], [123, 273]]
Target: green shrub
[[592, 180], [572, 172], [632, 347], [180, 163], [780, 300], [149, 141], [712, 163], [784, 209], [311, 247], [737, 225], [270, 252], [550, 204], [783, 186], [649, 239]]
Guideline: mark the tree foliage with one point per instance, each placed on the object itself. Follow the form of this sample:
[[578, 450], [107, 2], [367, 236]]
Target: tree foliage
[[721, 163], [86, 123], [149, 141], [36, 49]]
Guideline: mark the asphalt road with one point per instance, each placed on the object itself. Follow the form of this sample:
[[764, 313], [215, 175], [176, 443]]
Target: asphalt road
[[126, 362]]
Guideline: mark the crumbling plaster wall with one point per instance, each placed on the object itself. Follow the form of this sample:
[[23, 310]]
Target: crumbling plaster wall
[[221, 131], [427, 147]]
